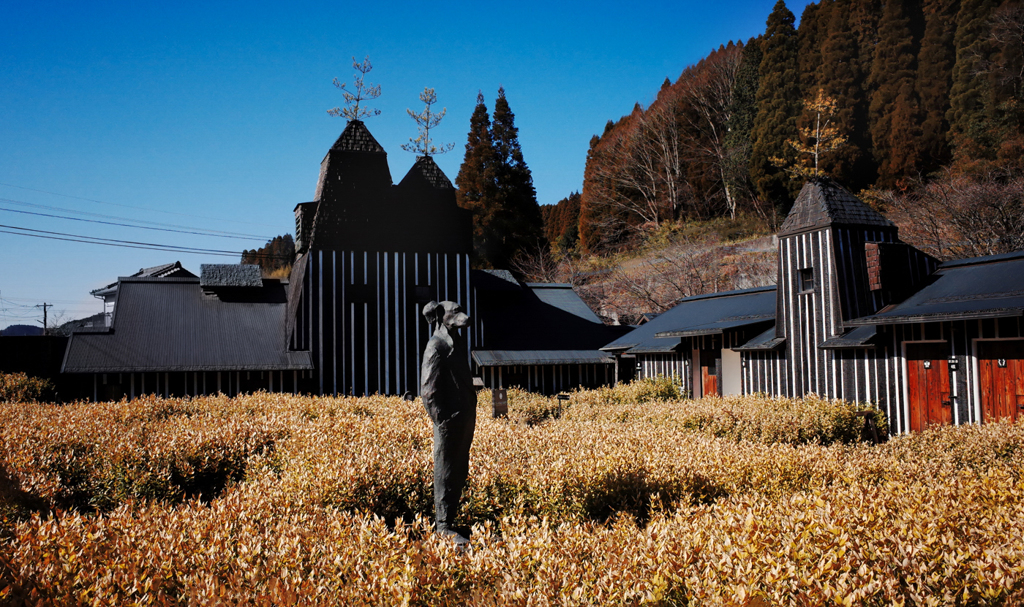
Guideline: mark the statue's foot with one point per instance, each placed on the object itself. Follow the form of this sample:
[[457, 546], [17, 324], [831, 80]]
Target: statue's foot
[[458, 535]]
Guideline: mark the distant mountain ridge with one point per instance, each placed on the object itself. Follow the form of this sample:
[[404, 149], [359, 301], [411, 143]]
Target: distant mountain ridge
[[20, 330]]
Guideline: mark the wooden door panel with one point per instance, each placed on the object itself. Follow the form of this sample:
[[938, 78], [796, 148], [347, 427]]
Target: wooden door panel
[[1002, 388], [708, 372], [928, 385]]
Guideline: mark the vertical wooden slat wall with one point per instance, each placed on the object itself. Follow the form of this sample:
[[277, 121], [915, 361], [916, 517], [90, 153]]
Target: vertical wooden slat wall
[[548, 379], [361, 320]]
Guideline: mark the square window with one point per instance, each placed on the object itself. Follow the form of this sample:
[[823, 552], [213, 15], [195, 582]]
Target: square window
[[806, 280]]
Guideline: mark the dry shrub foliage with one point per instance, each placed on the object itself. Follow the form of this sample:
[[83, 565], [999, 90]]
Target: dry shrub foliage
[[19, 387], [606, 501]]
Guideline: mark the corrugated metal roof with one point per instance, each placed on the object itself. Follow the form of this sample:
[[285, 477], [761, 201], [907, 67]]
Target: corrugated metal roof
[[982, 287], [505, 358], [718, 326], [169, 324], [822, 203], [699, 315], [763, 341], [858, 337]]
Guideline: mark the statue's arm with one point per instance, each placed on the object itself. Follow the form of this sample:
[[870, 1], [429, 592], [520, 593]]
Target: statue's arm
[[430, 381]]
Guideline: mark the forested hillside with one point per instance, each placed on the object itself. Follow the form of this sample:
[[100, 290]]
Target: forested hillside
[[926, 110]]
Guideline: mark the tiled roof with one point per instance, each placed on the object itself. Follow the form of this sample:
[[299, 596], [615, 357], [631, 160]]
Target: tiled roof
[[356, 138], [229, 275], [823, 203], [166, 270], [426, 167]]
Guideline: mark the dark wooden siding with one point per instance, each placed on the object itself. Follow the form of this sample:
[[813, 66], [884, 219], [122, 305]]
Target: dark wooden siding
[[879, 375], [548, 379], [174, 384], [360, 316], [669, 364], [765, 372]]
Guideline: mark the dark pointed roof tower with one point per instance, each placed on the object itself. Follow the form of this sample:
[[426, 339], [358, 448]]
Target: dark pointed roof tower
[[351, 191], [823, 203], [426, 169], [429, 215]]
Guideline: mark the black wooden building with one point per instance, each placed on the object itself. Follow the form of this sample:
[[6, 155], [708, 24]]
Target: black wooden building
[[860, 316], [370, 254]]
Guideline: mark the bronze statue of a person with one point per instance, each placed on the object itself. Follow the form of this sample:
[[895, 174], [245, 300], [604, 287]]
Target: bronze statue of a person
[[448, 394]]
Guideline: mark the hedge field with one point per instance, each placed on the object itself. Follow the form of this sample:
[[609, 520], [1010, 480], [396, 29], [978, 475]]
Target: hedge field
[[624, 496]]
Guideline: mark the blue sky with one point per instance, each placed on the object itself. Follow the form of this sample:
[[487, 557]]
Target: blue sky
[[213, 114]]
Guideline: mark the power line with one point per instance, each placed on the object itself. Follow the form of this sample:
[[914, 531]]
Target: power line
[[125, 225], [112, 242], [138, 221], [128, 206]]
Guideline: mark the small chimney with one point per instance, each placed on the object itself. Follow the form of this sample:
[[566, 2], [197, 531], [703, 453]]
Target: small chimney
[[874, 259]]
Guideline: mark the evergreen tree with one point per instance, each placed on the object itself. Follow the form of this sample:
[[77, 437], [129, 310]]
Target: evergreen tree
[[562, 223], [811, 37], [893, 108], [590, 210], [477, 190], [497, 186], [842, 79], [969, 128], [778, 105], [741, 117], [934, 79], [274, 257], [519, 227]]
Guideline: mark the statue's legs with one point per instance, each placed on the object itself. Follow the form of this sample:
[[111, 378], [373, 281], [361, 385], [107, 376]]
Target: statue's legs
[[452, 440]]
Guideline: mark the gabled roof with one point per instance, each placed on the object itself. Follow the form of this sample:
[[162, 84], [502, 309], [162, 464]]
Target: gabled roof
[[169, 324], [491, 281], [166, 270], [356, 138], [699, 315], [561, 296], [538, 322], [981, 287], [823, 203]]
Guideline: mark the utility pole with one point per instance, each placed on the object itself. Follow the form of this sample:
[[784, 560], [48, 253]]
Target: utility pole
[[44, 306]]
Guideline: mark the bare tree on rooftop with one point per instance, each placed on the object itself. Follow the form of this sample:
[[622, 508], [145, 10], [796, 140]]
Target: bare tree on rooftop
[[425, 121], [353, 109]]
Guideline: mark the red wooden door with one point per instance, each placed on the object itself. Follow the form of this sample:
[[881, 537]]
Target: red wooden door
[[928, 385], [1001, 371], [708, 372]]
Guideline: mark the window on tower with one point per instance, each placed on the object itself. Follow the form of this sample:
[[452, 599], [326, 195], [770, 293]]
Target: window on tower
[[807, 280]]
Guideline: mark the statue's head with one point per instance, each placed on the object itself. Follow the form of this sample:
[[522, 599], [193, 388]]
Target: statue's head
[[448, 313]]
